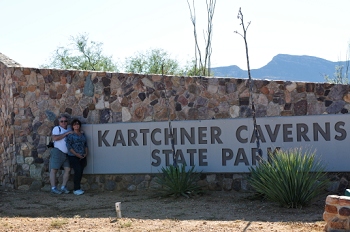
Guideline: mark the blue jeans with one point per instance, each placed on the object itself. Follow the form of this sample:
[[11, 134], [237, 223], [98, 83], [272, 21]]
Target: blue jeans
[[78, 166]]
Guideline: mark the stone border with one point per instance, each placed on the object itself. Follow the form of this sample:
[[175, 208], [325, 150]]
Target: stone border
[[8, 62]]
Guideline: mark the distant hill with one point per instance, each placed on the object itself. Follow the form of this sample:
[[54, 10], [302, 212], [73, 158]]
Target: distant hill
[[285, 67]]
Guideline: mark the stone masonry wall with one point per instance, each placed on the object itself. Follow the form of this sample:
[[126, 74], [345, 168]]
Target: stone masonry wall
[[337, 213], [7, 114], [32, 98]]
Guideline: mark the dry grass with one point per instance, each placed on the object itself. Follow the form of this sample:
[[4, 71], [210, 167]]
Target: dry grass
[[215, 211]]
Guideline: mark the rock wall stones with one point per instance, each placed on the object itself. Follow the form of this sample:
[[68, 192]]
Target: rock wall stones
[[31, 99], [337, 213], [8, 158]]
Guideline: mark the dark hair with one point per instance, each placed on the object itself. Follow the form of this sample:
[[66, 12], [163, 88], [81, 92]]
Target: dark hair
[[76, 121]]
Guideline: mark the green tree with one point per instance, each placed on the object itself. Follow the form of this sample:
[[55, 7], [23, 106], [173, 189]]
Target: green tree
[[81, 54], [153, 61]]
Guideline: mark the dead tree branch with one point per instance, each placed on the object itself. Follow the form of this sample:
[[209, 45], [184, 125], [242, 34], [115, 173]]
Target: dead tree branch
[[251, 84], [202, 64]]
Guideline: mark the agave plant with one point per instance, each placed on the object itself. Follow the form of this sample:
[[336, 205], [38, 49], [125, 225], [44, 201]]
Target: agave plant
[[176, 181], [291, 178]]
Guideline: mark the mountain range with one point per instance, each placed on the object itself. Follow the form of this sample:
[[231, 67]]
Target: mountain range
[[286, 68]]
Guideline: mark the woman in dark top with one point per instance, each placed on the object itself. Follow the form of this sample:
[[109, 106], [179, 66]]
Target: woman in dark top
[[77, 152]]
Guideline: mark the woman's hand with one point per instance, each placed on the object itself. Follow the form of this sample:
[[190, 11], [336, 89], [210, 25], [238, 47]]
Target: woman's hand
[[80, 156]]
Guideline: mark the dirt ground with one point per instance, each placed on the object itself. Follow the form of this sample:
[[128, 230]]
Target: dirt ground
[[142, 211]]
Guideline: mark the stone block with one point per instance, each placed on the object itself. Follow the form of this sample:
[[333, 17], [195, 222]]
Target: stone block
[[24, 180], [20, 159], [211, 178], [338, 223], [237, 184], [332, 199], [110, 185], [36, 185], [344, 211], [36, 171], [227, 184], [344, 201], [328, 216], [331, 209]]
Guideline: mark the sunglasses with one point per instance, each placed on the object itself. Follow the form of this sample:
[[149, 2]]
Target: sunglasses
[[63, 121]]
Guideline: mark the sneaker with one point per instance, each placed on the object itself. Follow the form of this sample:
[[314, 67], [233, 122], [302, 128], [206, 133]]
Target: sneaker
[[64, 190], [78, 192], [55, 191]]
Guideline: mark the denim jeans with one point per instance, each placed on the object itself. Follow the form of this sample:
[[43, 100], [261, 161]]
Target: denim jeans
[[78, 166]]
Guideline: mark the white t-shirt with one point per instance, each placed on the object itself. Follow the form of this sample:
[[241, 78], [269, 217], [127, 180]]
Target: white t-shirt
[[60, 144]]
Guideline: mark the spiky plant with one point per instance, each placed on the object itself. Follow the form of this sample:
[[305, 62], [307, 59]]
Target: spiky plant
[[176, 181], [291, 178]]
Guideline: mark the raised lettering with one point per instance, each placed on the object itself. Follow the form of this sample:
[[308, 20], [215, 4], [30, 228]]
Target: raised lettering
[[132, 135], [119, 138], [342, 132], [255, 156], [325, 134], [153, 136], [261, 135], [241, 157], [202, 157], [273, 135], [215, 133], [180, 157], [191, 152], [156, 158], [168, 136], [103, 138], [144, 133], [167, 156], [287, 132], [238, 134], [226, 154], [202, 135], [302, 130], [190, 138]]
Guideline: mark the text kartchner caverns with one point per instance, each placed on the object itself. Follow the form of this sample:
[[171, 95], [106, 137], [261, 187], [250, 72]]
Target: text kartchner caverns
[[217, 143]]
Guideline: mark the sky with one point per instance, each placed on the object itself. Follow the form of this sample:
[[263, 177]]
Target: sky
[[31, 30]]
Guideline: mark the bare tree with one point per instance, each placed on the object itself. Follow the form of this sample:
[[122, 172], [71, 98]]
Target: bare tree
[[341, 74], [251, 84], [202, 64]]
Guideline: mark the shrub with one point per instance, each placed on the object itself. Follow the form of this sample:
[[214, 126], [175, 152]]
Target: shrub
[[176, 181], [291, 178]]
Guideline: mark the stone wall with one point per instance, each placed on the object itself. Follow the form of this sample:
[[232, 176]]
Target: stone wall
[[31, 99], [337, 213], [8, 166]]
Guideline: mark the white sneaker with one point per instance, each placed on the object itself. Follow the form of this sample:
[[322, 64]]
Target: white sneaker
[[78, 192]]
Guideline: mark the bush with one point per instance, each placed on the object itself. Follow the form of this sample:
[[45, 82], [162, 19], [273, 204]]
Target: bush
[[176, 181], [291, 178]]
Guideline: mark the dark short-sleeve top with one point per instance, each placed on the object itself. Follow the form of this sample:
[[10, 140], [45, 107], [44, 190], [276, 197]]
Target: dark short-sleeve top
[[77, 142]]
